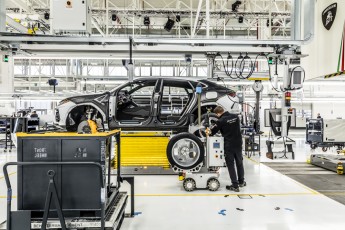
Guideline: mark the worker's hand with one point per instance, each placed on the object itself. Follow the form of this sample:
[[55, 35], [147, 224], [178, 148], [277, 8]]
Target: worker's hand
[[208, 131]]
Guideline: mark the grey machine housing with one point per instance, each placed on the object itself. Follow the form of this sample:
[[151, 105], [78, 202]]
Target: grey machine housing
[[207, 177]]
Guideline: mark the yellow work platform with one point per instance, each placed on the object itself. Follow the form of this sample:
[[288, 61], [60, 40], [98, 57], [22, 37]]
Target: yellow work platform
[[144, 149]]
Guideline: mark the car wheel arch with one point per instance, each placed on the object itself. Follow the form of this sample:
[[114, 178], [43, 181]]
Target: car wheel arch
[[86, 104]]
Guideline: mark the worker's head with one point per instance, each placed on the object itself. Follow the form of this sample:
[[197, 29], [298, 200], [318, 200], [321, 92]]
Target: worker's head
[[318, 114], [218, 111]]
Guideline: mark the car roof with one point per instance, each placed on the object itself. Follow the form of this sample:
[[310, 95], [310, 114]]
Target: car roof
[[206, 82], [173, 79]]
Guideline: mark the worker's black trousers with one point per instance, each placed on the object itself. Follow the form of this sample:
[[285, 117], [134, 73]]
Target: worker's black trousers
[[234, 156]]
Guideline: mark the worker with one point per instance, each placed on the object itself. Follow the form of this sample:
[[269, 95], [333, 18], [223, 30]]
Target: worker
[[229, 126], [318, 116], [34, 114]]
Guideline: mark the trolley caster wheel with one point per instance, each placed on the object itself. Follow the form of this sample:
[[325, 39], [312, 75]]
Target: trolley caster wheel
[[5, 150], [313, 146], [213, 184], [189, 184], [324, 149]]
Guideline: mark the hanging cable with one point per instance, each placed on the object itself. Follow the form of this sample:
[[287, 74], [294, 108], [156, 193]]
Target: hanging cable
[[226, 67]]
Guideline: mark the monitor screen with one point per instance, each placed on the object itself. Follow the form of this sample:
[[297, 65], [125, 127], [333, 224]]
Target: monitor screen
[[297, 77], [216, 145]]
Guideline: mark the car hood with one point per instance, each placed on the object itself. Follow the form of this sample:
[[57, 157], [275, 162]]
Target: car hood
[[84, 98]]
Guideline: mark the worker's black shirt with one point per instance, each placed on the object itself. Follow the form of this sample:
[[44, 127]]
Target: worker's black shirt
[[229, 125]]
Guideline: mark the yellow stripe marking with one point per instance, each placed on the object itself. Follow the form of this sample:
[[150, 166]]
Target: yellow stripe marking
[[305, 187], [298, 183], [256, 162], [10, 174], [227, 194]]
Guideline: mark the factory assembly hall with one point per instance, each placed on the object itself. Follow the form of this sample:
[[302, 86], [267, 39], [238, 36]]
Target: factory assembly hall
[[172, 115]]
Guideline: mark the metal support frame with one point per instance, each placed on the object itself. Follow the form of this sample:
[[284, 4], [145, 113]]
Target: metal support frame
[[257, 111], [130, 23], [9, 187], [52, 193], [97, 26], [130, 64], [130, 180]]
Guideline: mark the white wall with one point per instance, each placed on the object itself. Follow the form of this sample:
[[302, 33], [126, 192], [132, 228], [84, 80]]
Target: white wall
[[329, 110], [324, 49]]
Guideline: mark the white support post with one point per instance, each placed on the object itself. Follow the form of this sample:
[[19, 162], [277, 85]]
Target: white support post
[[224, 31], [270, 20], [284, 109], [107, 18], [296, 20], [2, 16], [207, 18], [196, 18], [191, 19], [178, 7]]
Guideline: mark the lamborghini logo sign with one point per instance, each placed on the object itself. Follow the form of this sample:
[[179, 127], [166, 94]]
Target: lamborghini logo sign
[[328, 15]]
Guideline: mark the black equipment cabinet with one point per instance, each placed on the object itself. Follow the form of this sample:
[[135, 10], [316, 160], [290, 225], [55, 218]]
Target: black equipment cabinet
[[79, 187]]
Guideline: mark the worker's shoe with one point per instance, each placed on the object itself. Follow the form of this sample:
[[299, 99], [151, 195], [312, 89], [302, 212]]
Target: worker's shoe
[[232, 188], [242, 184]]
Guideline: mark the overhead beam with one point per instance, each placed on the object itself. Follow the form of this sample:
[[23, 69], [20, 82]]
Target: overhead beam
[[196, 18], [166, 49], [138, 40]]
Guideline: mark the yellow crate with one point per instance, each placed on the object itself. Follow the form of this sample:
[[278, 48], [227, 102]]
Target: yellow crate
[[140, 149]]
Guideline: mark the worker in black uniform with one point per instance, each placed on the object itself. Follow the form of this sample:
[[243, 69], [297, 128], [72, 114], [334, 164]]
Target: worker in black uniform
[[229, 126]]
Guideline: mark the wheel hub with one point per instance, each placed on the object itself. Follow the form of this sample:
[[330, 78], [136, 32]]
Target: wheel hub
[[184, 151], [213, 184], [189, 185]]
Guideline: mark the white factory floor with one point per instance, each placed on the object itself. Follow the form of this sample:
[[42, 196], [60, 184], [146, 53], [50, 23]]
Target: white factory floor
[[270, 201]]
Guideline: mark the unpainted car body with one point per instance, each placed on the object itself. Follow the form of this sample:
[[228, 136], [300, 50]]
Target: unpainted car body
[[147, 104]]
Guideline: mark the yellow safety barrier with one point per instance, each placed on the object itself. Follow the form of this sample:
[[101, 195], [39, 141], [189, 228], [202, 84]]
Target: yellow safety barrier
[[334, 74], [144, 149]]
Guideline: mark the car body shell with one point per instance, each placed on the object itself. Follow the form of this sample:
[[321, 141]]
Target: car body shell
[[106, 104]]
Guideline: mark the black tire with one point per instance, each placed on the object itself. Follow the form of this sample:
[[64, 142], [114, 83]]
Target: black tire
[[84, 127], [77, 117], [312, 146], [189, 137], [324, 149]]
